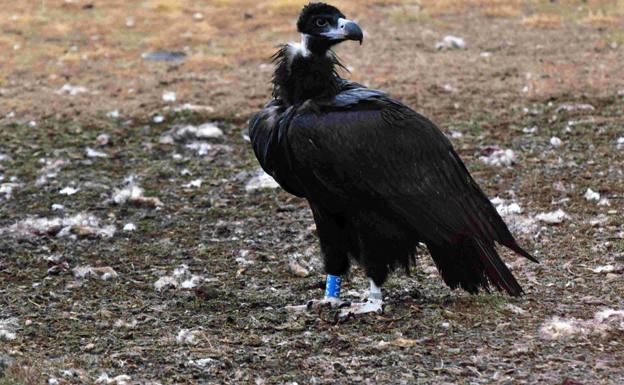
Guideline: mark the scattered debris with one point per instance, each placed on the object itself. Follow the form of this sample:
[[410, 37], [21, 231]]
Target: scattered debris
[[103, 140], [571, 107], [114, 114], [451, 42], [122, 379], [495, 156], [604, 322], [68, 89], [134, 194], [50, 170], [592, 195], [104, 273], [129, 227], [261, 181], [193, 107], [297, 269], [7, 190], [170, 56], [169, 96], [91, 153], [506, 209], [158, 119], [57, 207], [193, 183], [207, 130], [188, 337], [203, 362], [608, 269], [69, 190], [81, 224], [202, 148], [555, 142], [125, 324], [620, 143], [553, 217], [8, 329], [530, 130], [515, 309], [181, 277]]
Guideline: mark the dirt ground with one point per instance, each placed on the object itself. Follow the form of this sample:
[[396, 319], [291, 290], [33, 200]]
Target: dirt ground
[[134, 251]]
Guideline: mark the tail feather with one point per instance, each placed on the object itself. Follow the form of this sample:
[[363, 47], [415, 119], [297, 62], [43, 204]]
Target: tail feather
[[474, 265]]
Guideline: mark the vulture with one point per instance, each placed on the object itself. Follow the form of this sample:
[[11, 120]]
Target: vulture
[[381, 179]]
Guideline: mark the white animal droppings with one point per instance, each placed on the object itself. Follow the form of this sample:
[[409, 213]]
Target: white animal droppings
[[591, 195], [261, 181], [506, 209], [125, 324], [129, 227], [570, 107], [122, 379], [114, 114], [91, 153], [511, 214], [102, 140], [620, 143], [68, 89], [169, 96], [165, 282], [451, 42], [188, 337], [134, 194], [202, 148], [104, 273], [181, 277], [558, 328], [7, 189], [69, 190], [194, 183], [555, 142], [530, 130], [81, 224], [499, 158], [57, 207], [7, 329], [203, 362], [297, 269], [604, 269], [158, 119], [515, 309], [553, 217], [603, 322]]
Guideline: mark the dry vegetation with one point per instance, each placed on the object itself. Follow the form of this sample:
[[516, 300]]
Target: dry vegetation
[[525, 61]]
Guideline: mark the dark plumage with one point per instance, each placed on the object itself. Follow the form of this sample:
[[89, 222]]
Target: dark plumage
[[379, 177]]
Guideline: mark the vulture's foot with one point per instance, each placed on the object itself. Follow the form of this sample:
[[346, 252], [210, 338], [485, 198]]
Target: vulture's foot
[[327, 302], [372, 305]]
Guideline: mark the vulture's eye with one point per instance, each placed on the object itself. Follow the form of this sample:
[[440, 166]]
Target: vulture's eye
[[320, 22]]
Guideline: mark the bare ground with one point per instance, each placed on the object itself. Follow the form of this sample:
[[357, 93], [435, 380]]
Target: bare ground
[[523, 62]]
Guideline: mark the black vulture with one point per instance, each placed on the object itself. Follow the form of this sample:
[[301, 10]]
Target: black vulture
[[380, 178]]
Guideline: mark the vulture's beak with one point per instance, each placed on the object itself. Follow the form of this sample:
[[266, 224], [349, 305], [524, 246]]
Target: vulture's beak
[[346, 30]]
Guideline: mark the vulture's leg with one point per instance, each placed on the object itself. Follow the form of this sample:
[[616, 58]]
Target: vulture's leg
[[374, 304], [331, 299]]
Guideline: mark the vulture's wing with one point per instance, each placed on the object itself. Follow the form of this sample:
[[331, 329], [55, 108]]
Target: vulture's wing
[[367, 149]]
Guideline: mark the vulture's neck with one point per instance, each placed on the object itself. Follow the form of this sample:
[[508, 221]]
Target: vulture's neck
[[305, 70]]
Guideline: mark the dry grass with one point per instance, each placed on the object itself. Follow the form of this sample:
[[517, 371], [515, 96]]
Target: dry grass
[[542, 21]]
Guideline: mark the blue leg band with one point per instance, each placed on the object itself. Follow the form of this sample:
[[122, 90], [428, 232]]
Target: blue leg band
[[332, 286]]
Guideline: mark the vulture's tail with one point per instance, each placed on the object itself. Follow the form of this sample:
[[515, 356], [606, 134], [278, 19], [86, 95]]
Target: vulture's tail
[[472, 265]]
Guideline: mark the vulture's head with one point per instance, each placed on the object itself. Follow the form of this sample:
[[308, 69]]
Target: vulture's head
[[323, 26]]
